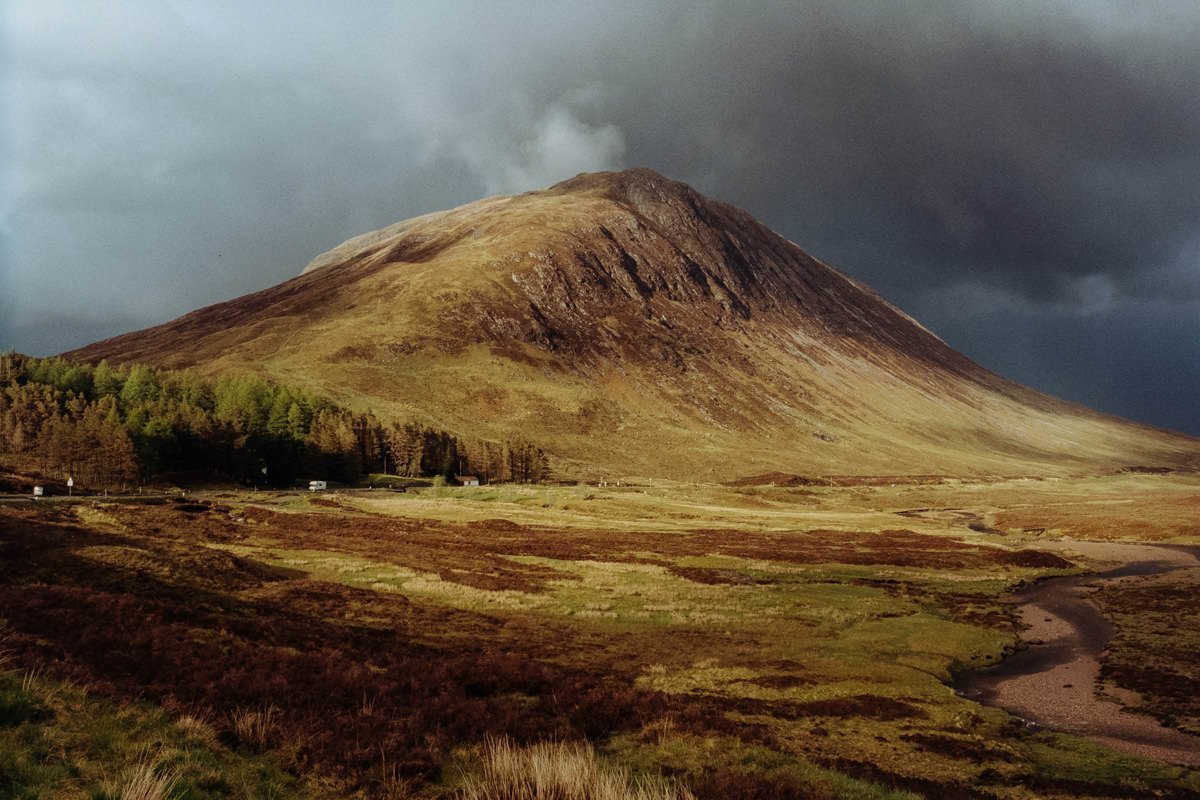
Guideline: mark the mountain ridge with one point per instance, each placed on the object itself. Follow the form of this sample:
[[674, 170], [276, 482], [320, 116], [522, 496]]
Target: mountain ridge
[[629, 324]]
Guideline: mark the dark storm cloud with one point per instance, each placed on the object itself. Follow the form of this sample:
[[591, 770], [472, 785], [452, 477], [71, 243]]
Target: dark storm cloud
[[1050, 153], [1025, 162]]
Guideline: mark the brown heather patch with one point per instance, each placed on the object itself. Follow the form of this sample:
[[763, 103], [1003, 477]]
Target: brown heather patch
[[1156, 648], [864, 706], [973, 609], [715, 577], [719, 784], [787, 479], [781, 681], [892, 547], [324, 502], [1038, 559], [958, 790], [957, 747], [333, 674]]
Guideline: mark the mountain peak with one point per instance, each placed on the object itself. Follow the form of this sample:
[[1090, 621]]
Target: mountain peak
[[618, 183], [641, 189]]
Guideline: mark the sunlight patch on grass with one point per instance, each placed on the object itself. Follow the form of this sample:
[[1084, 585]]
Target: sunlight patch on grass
[[662, 507], [57, 741], [382, 577]]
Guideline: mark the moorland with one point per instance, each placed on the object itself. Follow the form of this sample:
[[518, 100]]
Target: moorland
[[759, 640]]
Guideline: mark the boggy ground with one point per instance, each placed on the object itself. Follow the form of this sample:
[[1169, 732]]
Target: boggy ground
[[1156, 652], [758, 641]]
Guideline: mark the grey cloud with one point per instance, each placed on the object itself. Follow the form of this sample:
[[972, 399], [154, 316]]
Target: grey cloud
[[543, 148]]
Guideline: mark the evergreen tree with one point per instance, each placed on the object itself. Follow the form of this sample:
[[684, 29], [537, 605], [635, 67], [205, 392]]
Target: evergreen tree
[[106, 425], [141, 387], [106, 380]]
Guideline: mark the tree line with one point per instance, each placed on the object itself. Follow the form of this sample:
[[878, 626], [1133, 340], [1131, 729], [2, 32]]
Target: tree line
[[106, 426]]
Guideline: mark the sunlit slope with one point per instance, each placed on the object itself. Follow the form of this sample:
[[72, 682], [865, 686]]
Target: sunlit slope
[[631, 326]]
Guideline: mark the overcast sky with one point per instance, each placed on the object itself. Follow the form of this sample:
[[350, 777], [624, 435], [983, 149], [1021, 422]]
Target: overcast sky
[[1023, 177]]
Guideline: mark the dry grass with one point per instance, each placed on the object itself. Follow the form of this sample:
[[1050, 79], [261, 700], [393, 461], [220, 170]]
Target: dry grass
[[146, 780], [197, 729], [30, 679], [1133, 507], [1147, 507], [257, 729], [392, 785], [5, 651], [559, 771]]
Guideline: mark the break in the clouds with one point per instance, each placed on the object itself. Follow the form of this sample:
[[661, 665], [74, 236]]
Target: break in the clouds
[[991, 166]]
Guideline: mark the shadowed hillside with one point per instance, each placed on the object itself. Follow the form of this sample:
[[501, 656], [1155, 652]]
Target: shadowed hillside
[[631, 326]]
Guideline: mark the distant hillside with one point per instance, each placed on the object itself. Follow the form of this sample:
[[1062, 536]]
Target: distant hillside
[[631, 326]]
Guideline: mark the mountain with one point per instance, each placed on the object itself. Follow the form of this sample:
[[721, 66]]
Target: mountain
[[634, 327]]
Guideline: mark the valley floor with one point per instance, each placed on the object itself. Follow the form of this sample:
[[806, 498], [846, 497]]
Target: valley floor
[[753, 641]]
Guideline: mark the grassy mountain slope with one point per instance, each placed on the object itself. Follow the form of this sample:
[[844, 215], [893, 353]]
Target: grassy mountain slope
[[631, 326]]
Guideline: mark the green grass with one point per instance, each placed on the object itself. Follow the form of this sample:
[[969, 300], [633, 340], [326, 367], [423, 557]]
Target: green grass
[[1073, 759], [58, 742]]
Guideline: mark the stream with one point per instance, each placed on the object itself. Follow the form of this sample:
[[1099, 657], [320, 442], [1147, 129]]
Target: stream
[[1053, 681]]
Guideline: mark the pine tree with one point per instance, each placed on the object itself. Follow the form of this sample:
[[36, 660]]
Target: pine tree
[[141, 387], [106, 380]]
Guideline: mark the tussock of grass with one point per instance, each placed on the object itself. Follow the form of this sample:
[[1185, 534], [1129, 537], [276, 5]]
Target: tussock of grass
[[196, 729], [146, 780], [257, 729], [559, 771], [392, 785], [5, 650]]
